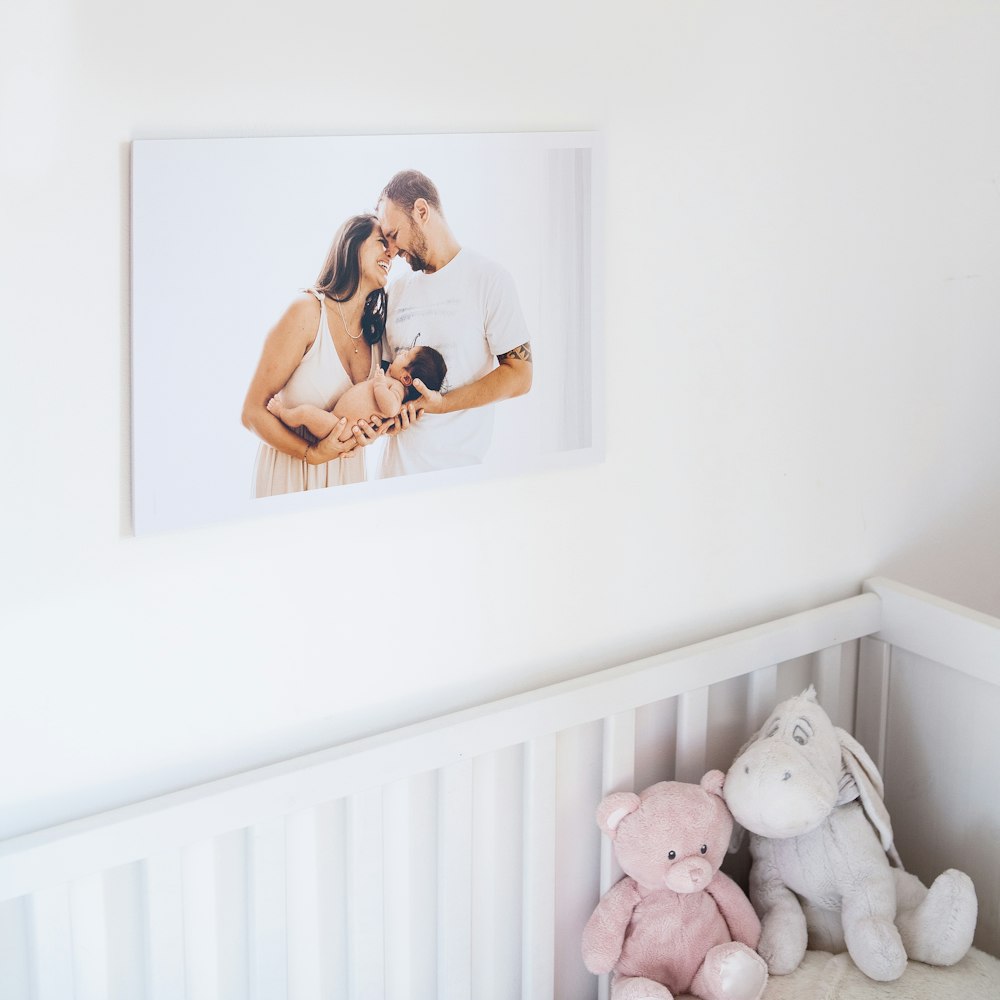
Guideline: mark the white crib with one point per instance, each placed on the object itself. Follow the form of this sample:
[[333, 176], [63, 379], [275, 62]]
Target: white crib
[[459, 858]]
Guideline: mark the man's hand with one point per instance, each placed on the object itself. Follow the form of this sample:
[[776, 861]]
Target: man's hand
[[367, 431], [430, 401], [511, 377], [409, 414]]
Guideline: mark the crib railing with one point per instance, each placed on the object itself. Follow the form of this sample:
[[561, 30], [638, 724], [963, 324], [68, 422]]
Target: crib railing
[[928, 711], [455, 858]]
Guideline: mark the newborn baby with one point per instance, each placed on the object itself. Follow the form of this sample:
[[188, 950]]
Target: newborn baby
[[382, 395]]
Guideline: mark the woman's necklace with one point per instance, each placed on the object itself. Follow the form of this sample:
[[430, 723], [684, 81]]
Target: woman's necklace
[[340, 309]]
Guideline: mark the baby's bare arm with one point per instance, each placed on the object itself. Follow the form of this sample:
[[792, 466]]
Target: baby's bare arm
[[388, 396]]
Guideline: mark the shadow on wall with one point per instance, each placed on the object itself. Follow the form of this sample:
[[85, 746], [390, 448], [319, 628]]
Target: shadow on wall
[[955, 557]]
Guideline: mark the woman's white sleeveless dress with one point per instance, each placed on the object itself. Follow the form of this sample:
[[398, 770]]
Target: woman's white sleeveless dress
[[320, 379]]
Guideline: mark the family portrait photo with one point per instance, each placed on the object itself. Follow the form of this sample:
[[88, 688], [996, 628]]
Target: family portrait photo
[[320, 320]]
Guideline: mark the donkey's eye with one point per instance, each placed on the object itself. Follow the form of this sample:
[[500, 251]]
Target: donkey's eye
[[800, 735], [772, 731], [704, 848], [672, 855]]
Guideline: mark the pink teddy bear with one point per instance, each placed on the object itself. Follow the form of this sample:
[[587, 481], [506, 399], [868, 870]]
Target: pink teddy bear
[[675, 923]]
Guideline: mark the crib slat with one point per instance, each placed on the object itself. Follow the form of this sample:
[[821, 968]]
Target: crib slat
[[762, 695], [126, 923], [873, 698], [231, 894], [827, 680], [655, 742], [331, 877], [617, 775], [412, 851], [454, 909], [90, 939], [14, 980], [268, 928], [834, 677], [398, 901], [618, 767], [410, 866], [165, 923], [52, 934], [496, 866], [366, 932], [304, 944], [538, 875], [577, 878], [692, 734], [201, 922], [485, 929], [794, 676], [505, 872]]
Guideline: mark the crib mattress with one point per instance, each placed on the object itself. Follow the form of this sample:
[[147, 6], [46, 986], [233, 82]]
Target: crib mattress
[[823, 976]]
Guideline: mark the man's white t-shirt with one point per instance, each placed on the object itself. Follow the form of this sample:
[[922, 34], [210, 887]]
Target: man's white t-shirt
[[469, 311]]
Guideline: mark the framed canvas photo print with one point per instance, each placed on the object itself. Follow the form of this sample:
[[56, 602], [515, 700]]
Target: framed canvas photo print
[[230, 239]]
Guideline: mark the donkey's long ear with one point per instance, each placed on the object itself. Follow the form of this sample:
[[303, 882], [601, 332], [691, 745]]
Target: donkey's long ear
[[736, 838], [861, 779]]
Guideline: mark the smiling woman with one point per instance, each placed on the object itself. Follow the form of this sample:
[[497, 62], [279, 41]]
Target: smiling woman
[[312, 356]]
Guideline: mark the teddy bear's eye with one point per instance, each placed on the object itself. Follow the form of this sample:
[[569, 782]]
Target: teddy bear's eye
[[800, 736], [771, 732], [672, 855], [704, 848]]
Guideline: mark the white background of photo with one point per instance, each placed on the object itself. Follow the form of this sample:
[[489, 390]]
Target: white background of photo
[[801, 272], [225, 233]]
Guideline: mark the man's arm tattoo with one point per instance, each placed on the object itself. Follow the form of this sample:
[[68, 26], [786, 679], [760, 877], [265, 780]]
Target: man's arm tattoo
[[522, 353]]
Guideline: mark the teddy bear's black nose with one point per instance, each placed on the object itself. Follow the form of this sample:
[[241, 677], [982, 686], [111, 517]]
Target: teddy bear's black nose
[[786, 775]]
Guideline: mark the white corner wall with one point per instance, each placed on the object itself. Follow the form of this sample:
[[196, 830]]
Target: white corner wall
[[802, 287]]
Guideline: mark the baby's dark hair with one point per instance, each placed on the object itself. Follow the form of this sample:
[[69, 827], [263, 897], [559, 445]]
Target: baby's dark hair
[[428, 366]]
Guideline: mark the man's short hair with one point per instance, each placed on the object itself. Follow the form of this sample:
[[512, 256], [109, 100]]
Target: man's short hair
[[409, 185]]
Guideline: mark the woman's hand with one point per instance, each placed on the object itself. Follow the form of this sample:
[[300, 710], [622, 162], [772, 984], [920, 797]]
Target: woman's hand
[[331, 447]]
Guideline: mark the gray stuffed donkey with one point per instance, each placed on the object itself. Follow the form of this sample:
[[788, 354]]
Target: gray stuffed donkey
[[824, 870]]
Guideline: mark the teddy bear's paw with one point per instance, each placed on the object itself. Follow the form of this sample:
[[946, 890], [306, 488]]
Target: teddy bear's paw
[[940, 930], [876, 948], [639, 988], [731, 972]]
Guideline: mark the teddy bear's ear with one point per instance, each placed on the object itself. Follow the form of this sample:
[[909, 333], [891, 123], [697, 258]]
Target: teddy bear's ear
[[614, 808], [712, 782]]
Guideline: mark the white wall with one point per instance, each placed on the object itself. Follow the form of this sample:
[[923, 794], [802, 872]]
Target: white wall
[[802, 351]]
